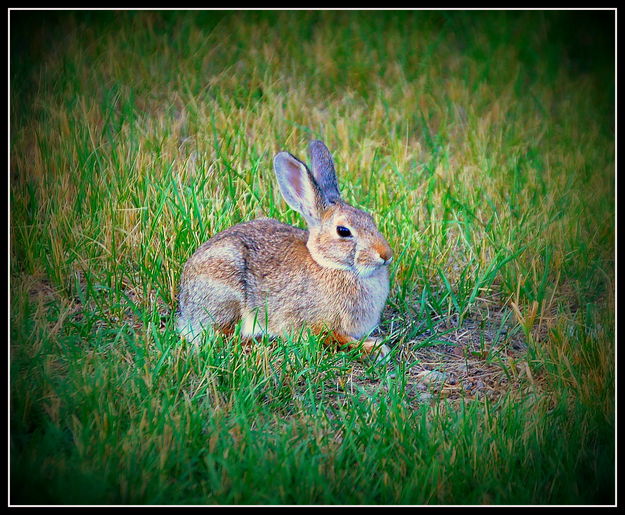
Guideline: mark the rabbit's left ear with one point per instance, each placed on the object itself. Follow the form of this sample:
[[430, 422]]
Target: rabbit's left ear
[[298, 187], [323, 171]]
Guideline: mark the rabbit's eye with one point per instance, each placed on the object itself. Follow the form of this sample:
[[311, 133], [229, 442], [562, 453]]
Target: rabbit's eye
[[343, 232]]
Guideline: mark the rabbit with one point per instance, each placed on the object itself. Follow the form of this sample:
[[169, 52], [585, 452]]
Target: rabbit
[[274, 278]]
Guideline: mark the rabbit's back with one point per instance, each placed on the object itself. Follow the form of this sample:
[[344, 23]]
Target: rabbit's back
[[234, 272]]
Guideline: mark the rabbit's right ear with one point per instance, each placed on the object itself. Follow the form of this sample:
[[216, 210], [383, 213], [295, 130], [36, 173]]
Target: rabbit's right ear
[[298, 186], [323, 171]]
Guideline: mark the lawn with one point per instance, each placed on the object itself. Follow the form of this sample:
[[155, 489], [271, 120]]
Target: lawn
[[482, 142]]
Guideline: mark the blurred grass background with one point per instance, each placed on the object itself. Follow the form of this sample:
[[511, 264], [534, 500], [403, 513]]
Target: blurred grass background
[[483, 143]]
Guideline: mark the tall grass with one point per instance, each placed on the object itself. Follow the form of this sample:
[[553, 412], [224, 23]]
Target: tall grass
[[482, 142]]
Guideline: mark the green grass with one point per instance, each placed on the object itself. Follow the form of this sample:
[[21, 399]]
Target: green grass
[[482, 142]]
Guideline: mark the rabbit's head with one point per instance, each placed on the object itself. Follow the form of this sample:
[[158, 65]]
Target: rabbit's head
[[340, 236]]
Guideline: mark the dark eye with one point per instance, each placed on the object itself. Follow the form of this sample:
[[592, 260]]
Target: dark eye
[[343, 232]]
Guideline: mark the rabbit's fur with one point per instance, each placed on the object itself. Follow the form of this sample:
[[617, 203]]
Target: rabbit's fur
[[275, 278]]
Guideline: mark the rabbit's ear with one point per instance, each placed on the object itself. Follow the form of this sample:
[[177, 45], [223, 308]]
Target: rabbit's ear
[[323, 171], [298, 187]]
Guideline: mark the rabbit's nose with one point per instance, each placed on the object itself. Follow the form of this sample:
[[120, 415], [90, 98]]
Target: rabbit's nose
[[385, 253]]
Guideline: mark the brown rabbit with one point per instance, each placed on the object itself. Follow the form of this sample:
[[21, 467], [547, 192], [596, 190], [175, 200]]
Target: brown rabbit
[[275, 278]]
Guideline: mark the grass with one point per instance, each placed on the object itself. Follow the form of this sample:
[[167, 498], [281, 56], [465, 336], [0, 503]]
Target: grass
[[482, 142]]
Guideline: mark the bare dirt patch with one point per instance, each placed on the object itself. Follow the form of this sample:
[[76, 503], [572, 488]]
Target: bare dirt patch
[[484, 355]]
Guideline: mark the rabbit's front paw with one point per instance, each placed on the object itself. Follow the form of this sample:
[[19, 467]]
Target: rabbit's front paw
[[375, 348]]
